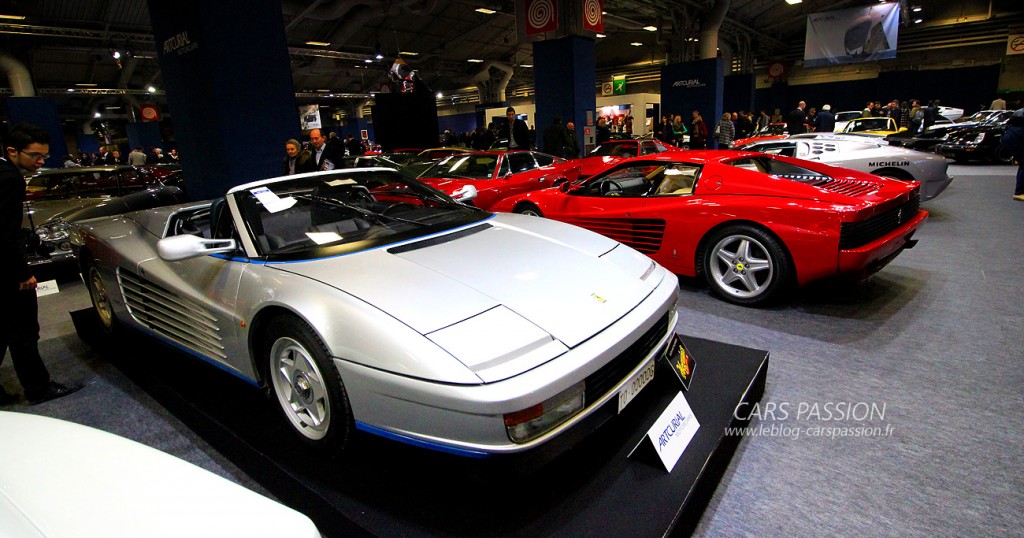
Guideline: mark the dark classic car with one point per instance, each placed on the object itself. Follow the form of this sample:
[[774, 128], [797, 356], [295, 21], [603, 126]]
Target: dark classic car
[[56, 198], [978, 143], [939, 133]]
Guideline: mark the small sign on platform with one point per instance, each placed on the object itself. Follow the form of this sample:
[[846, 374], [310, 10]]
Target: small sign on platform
[[48, 287], [681, 360], [672, 432]]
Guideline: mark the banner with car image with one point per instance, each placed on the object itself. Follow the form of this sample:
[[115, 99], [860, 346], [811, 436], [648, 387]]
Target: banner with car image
[[861, 34]]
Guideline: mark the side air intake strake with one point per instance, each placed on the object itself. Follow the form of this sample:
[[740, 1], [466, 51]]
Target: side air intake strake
[[175, 318]]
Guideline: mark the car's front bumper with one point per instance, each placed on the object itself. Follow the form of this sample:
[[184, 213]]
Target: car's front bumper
[[468, 419]]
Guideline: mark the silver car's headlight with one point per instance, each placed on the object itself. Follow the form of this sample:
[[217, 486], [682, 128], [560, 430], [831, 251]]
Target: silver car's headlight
[[532, 422], [53, 231]]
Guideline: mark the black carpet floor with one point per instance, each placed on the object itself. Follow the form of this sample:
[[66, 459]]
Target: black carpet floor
[[892, 406]]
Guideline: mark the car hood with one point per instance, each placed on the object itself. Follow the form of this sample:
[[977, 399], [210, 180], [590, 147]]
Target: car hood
[[592, 165], [44, 210], [450, 185], [549, 274], [65, 479]]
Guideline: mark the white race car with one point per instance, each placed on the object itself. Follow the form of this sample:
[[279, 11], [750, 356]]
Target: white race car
[[866, 154]]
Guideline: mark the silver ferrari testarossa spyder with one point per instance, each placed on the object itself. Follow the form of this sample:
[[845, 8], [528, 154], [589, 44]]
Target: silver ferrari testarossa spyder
[[365, 300]]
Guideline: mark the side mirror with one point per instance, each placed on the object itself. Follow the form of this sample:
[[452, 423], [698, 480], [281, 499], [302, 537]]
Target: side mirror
[[183, 247], [465, 194]]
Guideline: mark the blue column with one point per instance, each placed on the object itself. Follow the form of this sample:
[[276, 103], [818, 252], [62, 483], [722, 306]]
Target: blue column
[[229, 88], [41, 112], [564, 74]]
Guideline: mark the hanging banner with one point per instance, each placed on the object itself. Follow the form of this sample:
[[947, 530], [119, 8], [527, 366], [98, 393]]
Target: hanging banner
[[593, 18], [863, 34], [309, 117], [540, 16]]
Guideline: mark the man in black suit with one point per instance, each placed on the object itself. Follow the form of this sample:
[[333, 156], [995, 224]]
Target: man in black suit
[[796, 119], [27, 148], [327, 156], [515, 131]]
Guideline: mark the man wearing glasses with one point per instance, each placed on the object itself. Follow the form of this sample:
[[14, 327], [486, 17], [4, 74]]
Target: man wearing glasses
[[26, 150]]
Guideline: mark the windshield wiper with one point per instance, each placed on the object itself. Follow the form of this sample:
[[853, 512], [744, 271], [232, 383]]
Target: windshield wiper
[[362, 211]]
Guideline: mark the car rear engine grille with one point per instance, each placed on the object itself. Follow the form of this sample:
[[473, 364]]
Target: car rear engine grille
[[847, 186], [601, 381], [644, 235], [857, 234], [175, 318]]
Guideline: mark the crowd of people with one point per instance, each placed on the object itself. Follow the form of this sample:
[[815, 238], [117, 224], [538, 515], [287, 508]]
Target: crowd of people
[[136, 157]]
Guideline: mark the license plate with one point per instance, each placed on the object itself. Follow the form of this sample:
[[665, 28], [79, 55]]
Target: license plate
[[635, 385]]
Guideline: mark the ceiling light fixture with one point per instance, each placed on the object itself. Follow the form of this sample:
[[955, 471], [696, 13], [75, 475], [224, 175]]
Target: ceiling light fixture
[[650, 28], [485, 11], [475, 61], [318, 43], [96, 115], [13, 17], [918, 21], [367, 61], [601, 35], [151, 89], [793, 2], [915, 9], [407, 53], [439, 94], [525, 65], [86, 84], [71, 90], [379, 56], [637, 44]]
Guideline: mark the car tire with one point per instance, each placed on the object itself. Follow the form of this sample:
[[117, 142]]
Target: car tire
[[528, 209], [99, 297], [745, 265], [307, 386]]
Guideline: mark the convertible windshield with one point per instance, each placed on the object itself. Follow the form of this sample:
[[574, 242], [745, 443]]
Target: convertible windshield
[[327, 214], [468, 166], [615, 149]]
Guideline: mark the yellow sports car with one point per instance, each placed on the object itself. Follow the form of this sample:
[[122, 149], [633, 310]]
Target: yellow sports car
[[882, 126]]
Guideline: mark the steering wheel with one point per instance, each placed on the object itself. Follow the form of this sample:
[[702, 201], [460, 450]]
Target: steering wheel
[[610, 186]]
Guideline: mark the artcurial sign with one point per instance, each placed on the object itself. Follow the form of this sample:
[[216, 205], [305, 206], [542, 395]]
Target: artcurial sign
[[689, 83]]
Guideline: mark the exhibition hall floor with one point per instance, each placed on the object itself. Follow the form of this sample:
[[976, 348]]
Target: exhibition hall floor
[[892, 406]]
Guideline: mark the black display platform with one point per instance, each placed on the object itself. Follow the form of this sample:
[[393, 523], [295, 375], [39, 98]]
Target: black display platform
[[385, 488]]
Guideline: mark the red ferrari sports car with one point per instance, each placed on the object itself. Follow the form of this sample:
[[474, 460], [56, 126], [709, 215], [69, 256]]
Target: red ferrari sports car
[[750, 223], [498, 174], [613, 151]]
